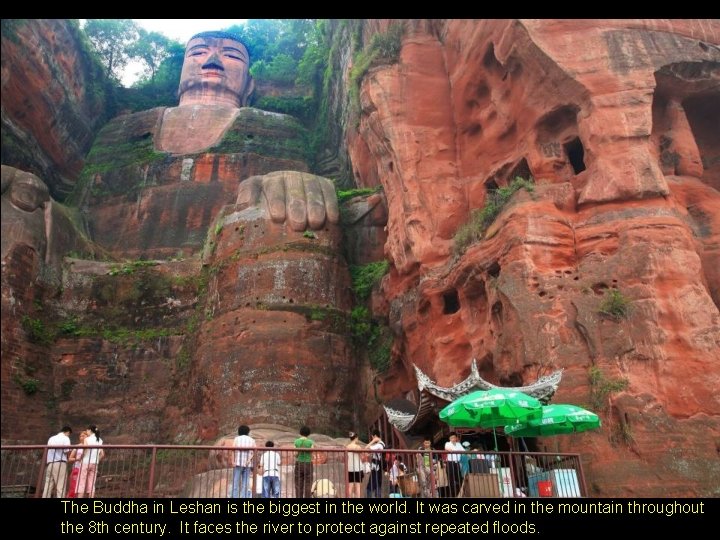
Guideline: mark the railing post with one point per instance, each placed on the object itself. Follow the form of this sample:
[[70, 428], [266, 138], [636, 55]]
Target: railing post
[[433, 464], [512, 473], [346, 460], [253, 473], [40, 486], [583, 486], [151, 484]]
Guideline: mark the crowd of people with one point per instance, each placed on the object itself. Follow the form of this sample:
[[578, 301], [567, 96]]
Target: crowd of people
[[436, 474]]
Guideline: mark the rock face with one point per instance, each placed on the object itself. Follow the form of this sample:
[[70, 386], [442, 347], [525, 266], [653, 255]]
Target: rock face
[[274, 343], [37, 233], [625, 206], [142, 201], [52, 102], [607, 264], [266, 312]]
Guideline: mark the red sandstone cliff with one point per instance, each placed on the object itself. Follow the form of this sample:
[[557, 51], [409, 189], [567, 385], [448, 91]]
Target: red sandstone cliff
[[616, 121], [53, 99]]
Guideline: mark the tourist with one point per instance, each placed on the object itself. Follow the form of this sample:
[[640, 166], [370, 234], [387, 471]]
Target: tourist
[[243, 463], [355, 467], [56, 472], [270, 465], [89, 462], [303, 465]]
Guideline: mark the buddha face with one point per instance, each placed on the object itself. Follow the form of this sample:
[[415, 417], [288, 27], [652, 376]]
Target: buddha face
[[215, 71]]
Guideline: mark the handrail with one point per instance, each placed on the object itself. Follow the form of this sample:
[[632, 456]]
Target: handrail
[[168, 470]]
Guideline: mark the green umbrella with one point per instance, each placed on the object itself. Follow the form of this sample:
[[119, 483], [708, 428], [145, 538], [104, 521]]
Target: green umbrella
[[456, 415], [496, 406], [555, 420], [490, 408]]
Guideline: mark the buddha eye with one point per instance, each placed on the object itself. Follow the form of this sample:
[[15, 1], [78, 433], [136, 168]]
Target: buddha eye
[[234, 57]]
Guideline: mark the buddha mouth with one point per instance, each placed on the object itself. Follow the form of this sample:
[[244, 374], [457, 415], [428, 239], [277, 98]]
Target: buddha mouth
[[214, 74]]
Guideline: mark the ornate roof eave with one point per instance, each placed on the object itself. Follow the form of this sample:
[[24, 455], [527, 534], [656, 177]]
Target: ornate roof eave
[[543, 389]]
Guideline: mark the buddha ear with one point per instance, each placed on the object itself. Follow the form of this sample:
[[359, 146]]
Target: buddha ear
[[249, 89]]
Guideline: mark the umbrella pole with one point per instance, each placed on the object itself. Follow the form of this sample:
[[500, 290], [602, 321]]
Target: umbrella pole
[[495, 437], [522, 440]]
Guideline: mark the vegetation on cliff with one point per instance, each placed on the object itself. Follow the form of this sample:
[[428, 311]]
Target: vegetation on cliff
[[482, 218], [615, 305], [368, 333], [365, 277], [383, 49]]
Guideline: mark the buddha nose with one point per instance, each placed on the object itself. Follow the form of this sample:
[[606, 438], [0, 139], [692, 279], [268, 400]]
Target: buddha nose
[[214, 62]]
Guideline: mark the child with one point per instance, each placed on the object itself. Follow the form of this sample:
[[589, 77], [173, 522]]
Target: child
[[270, 464], [398, 469]]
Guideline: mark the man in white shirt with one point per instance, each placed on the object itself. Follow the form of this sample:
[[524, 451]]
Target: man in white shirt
[[374, 486], [56, 472], [270, 463], [453, 464], [243, 463]]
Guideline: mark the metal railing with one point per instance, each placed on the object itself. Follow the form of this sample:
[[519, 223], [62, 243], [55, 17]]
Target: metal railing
[[167, 471]]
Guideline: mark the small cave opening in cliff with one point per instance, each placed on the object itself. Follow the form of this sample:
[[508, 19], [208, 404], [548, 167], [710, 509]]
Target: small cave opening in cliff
[[497, 313], [521, 169], [599, 288], [686, 113], [490, 61], [494, 270], [576, 154], [451, 302], [141, 137], [424, 307], [474, 129], [703, 114]]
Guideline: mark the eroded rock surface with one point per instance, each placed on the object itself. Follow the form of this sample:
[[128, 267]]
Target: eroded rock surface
[[616, 134]]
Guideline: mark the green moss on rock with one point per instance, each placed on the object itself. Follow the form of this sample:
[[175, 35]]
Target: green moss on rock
[[267, 134]]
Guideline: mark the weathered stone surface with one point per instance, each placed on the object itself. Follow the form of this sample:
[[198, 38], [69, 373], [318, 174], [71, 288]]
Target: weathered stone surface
[[620, 136], [52, 102], [365, 220], [141, 201], [32, 219], [625, 164], [107, 333], [276, 321]]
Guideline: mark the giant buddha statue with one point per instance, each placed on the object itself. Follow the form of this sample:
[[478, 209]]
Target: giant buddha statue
[[214, 84], [154, 180], [211, 192]]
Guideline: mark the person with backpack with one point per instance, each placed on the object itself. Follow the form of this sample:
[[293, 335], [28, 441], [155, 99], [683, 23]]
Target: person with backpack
[[374, 486]]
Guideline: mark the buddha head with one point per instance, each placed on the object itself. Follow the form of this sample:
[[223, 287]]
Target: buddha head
[[24, 190], [215, 71]]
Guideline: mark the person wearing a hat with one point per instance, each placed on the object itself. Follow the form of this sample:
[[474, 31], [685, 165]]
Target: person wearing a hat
[[465, 458]]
